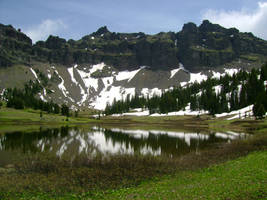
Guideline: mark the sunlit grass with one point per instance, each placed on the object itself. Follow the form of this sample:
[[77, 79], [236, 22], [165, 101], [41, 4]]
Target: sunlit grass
[[244, 178], [12, 119]]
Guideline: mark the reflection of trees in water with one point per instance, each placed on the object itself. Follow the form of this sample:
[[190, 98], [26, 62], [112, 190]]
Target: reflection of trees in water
[[73, 141], [167, 144], [26, 141]]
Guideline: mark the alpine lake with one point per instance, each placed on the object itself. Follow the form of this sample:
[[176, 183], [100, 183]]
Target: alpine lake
[[91, 160], [68, 143]]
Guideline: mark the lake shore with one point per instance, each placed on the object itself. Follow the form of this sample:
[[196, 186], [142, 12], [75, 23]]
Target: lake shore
[[12, 120], [130, 177]]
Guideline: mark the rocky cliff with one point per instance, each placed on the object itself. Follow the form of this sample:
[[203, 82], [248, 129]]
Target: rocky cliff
[[207, 45], [104, 65]]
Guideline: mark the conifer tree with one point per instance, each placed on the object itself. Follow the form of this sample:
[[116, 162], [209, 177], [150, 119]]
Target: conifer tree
[[264, 72], [223, 102], [56, 108], [65, 110], [193, 103], [259, 110], [243, 101]]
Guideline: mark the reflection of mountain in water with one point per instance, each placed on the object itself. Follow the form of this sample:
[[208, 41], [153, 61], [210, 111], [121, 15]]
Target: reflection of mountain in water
[[77, 141]]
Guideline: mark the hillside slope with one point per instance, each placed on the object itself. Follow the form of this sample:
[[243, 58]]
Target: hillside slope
[[105, 65]]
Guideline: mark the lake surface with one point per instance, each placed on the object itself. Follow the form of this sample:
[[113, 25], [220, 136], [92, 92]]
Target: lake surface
[[71, 142]]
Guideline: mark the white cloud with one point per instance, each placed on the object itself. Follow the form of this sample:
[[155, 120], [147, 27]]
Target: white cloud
[[46, 28], [246, 21]]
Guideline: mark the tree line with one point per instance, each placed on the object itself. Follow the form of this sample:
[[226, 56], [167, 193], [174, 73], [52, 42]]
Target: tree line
[[27, 98], [233, 92]]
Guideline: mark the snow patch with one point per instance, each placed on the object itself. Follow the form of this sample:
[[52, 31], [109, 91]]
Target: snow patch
[[217, 89], [88, 80], [231, 72], [107, 81], [62, 87], [216, 74], [42, 97], [96, 67], [183, 84], [35, 75], [187, 111], [197, 77], [137, 109], [71, 72], [142, 113], [242, 113], [109, 94], [127, 74], [84, 96], [173, 72], [49, 74], [151, 92], [3, 91]]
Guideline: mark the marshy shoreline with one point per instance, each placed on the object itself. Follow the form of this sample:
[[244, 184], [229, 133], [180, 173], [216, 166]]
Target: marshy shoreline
[[45, 176]]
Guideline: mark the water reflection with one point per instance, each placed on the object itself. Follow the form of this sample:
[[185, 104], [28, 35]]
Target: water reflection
[[75, 141]]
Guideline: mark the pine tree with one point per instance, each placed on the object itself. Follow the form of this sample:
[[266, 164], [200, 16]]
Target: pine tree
[[234, 101], [252, 87], [56, 108], [18, 103], [264, 72], [259, 110], [65, 110], [193, 103], [243, 101], [223, 102]]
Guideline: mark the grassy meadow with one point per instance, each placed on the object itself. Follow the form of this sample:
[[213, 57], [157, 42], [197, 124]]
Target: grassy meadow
[[235, 170]]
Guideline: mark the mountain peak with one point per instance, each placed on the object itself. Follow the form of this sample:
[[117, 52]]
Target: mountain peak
[[207, 26], [101, 30], [54, 42], [189, 27]]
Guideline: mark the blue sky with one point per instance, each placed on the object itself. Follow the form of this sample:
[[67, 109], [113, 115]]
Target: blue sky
[[72, 19]]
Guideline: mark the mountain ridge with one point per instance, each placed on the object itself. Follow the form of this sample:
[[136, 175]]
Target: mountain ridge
[[104, 65], [197, 47]]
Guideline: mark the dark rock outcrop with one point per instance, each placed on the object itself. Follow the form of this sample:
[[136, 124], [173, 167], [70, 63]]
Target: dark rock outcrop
[[207, 45]]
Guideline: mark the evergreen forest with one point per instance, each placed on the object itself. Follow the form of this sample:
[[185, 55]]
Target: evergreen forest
[[236, 92], [27, 98]]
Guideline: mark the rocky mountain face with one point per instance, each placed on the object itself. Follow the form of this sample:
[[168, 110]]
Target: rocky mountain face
[[208, 45], [106, 65]]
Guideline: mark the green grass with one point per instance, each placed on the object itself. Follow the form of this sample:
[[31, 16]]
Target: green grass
[[244, 178], [248, 125], [29, 119], [45, 176], [192, 176]]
